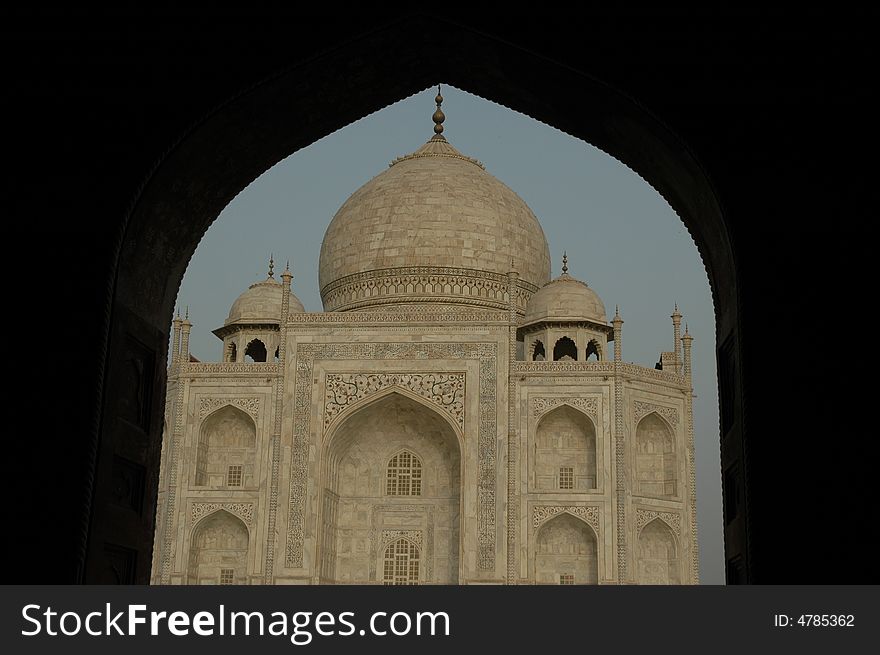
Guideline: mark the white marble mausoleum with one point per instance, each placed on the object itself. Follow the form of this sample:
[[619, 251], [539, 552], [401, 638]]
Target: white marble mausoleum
[[455, 415]]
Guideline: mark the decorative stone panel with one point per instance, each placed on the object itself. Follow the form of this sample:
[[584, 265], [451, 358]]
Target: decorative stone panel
[[423, 284], [244, 511], [642, 409], [645, 516], [445, 390], [401, 315], [587, 513], [209, 405], [555, 367], [589, 406], [257, 368], [393, 535]]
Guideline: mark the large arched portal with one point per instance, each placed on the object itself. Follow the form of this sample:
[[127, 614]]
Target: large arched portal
[[391, 472]]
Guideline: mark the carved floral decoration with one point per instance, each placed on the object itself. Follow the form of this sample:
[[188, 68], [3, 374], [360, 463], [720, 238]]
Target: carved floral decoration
[[244, 511], [644, 516], [641, 409], [249, 405], [587, 405], [589, 514], [445, 390]]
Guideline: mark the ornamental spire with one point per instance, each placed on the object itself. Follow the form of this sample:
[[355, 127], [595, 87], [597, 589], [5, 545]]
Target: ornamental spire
[[564, 263], [438, 117], [676, 334], [271, 266]]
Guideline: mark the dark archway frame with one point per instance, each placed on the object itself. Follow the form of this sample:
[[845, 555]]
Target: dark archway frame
[[250, 133]]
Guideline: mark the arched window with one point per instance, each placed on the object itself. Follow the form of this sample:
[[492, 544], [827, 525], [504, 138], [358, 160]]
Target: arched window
[[404, 475], [592, 351], [565, 350], [276, 353], [401, 565], [256, 350], [538, 354]]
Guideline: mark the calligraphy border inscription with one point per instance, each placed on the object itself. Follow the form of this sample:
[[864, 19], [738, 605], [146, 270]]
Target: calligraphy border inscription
[[307, 353]]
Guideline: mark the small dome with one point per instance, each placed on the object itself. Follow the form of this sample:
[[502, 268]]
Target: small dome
[[565, 299], [261, 303]]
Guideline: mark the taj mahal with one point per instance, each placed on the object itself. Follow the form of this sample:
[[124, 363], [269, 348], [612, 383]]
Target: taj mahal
[[455, 415]]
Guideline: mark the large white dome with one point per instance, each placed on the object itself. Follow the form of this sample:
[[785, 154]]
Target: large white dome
[[435, 227]]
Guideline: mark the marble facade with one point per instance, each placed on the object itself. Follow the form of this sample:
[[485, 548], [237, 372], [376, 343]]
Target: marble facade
[[452, 417]]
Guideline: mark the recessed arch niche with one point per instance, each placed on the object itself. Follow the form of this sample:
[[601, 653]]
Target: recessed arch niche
[[655, 458], [658, 555], [227, 437], [218, 550], [356, 510], [565, 438], [566, 546]]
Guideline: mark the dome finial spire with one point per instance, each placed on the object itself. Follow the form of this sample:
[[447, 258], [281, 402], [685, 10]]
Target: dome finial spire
[[438, 117], [271, 266], [564, 263]]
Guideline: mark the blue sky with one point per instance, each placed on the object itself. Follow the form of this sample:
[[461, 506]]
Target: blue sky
[[622, 238]]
